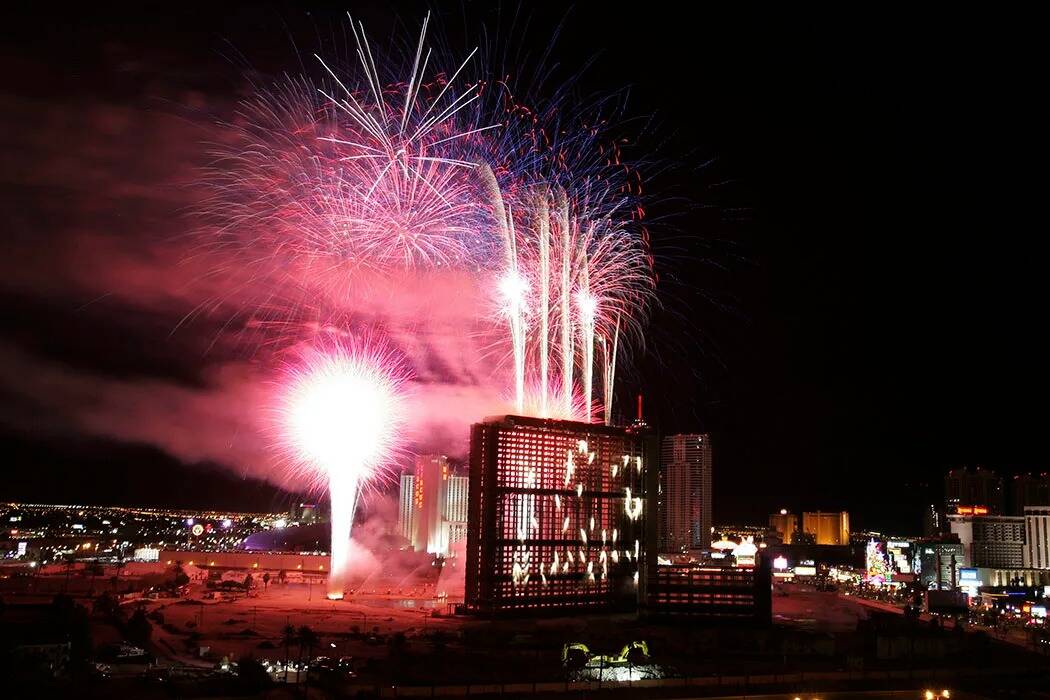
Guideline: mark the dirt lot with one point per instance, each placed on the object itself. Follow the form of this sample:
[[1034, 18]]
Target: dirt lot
[[241, 626]]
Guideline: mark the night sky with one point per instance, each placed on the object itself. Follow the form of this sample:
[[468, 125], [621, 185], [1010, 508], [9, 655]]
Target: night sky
[[844, 222]]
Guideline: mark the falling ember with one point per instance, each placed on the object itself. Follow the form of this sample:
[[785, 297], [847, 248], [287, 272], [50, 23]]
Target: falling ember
[[342, 414]]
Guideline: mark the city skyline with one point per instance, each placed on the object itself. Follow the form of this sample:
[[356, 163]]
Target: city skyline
[[761, 235], [445, 348]]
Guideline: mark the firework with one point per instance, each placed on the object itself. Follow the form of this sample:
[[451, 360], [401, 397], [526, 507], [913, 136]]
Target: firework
[[342, 416], [601, 276], [567, 206], [394, 166], [357, 172]]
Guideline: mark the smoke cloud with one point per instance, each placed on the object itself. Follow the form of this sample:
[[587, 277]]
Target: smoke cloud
[[125, 326]]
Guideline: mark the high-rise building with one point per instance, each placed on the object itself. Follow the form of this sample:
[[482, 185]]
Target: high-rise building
[[1029, 490], [456, 507], [432, 480], [931, 521], [685, 492], [1037, 537], [991, 541], [827, 528], [973, 492], [408, 507], [432, 509], [785, 524], [556, 517]]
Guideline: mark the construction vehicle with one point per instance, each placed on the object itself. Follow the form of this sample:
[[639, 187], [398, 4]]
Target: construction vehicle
[[577, 655]]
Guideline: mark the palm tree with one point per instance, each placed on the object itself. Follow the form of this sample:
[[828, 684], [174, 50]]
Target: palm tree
[[96, 570], [288, 637], [308, 639]]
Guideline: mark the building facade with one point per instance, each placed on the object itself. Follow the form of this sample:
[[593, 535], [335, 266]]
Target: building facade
[[991, 541], [408, 507], [827, 528], [685, 492], [976, 491], [938, 563], [456, 507], [690, 592], [556, 516], [785, 524], [1037, 537]]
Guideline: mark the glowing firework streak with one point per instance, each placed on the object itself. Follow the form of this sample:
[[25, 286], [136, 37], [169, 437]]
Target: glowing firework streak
[[562, 205], [512, 286], [599, 270], [543, 224], [609, 372], [588, 306], [342, 418]]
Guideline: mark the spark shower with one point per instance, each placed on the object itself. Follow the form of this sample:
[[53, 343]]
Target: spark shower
[[391, 165]]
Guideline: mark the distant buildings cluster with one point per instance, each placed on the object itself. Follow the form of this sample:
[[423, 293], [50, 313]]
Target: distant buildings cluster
[[818, 527], [1000, 529], [573, 517], [560, 516]]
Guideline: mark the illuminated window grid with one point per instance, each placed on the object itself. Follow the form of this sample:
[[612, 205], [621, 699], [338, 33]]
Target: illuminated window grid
[[532, 499], [716, 593]]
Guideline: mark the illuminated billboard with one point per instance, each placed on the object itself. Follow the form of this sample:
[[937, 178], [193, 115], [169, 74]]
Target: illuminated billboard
[[972, 510]]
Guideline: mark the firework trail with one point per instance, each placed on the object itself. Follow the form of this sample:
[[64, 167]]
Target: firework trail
[[599, 274], [543, 233], [341, 419]]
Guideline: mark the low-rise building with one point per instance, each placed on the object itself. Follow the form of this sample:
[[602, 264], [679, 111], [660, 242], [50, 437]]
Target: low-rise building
[[938, 562], [690, 592]]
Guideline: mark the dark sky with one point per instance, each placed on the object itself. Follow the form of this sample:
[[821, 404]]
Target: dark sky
[[850, 260]]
